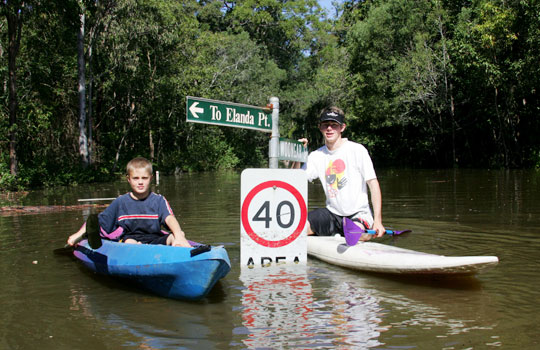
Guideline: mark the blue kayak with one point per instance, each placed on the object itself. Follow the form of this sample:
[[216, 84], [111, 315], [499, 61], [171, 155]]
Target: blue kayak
[[173, 272]]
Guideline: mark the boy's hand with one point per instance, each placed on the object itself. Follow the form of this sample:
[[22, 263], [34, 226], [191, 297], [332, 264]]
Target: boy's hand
[[180, 242], [76, 237]]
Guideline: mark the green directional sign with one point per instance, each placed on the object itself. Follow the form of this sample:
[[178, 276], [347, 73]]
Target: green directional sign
[[201, 110], [292, 150]]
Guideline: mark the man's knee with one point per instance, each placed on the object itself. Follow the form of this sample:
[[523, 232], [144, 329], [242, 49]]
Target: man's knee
[[309, 231]]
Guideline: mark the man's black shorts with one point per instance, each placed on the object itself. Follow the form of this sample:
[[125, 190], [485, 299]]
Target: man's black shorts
[[325, 223]]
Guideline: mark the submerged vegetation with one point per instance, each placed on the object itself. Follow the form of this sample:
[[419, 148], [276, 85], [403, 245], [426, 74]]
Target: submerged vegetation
[[87, 85]]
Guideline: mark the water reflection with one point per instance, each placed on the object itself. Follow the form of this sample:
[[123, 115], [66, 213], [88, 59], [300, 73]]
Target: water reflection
[[144, 321], [322, 307], [351, 316], [431, 311], [278, 307]]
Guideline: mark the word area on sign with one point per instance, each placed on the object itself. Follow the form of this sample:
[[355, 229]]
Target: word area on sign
[[233, 116], [267, 260]]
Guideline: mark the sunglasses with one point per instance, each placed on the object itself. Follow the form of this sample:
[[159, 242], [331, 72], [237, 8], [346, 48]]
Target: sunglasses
[[333, 125]]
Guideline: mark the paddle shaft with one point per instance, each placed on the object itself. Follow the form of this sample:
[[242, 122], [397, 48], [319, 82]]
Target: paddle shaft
[[387, 232], [349, 227], [353, 233]]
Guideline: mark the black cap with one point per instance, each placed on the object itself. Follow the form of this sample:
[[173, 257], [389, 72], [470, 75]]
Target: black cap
[[333, 116]]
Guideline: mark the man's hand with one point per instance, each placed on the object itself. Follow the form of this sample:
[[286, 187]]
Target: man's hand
[[379, 228]]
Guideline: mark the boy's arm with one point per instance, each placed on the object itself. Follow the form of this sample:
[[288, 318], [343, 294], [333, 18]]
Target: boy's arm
[[376, 202], [108, 217], [77, 236], [179, 235]]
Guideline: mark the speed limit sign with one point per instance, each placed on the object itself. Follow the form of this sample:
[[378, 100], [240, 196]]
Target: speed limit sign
[[273, 216]]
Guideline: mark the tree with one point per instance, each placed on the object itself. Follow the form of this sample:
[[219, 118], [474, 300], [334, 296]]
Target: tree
[[400, 73], [483, 45], [100, 16], [81, 64], [14, 11]]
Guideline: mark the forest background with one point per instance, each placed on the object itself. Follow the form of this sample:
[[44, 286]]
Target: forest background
[[89, 84]]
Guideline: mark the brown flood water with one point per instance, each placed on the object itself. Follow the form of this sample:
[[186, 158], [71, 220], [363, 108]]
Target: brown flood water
[[51, 302]]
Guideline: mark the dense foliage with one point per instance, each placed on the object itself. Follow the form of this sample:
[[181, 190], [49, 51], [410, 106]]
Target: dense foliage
[[87, 85]]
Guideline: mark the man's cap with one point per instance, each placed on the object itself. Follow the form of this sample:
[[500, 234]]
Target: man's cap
[[332, 116]]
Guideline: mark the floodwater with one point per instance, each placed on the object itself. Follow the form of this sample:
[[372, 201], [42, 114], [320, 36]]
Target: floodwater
[[51, 302]]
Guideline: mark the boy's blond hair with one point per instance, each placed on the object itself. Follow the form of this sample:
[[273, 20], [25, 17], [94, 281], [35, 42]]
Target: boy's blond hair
[[139, 163]]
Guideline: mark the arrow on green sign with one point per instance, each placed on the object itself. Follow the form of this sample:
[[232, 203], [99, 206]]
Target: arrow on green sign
[[201, 110]]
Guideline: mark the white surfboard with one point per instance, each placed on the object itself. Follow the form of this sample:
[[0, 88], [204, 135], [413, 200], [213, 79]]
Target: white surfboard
[[376, 257]]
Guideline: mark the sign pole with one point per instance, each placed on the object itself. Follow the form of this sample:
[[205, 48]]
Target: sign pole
[[274, 140]]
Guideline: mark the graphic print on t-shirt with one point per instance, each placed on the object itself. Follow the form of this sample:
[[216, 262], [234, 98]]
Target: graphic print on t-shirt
[[335, 177]]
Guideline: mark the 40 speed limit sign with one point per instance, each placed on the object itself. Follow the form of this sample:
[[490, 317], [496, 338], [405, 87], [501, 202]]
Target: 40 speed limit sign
[[273, 216]]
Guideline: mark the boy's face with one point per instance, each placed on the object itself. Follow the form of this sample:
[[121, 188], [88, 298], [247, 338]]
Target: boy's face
[[331, 130], [139, 179]]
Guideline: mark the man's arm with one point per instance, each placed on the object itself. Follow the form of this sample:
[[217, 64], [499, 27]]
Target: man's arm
[[298, 165], [376, 202]]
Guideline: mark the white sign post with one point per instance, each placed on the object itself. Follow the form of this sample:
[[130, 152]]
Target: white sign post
[[273, 217]]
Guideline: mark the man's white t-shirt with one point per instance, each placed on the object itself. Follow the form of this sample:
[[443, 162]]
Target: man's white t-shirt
[[343, 173]]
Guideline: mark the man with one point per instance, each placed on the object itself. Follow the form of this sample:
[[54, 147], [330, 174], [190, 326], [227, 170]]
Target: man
[[346, 172]]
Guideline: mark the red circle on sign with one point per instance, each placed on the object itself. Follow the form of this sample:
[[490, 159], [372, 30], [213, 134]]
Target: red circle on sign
[[297, 231]]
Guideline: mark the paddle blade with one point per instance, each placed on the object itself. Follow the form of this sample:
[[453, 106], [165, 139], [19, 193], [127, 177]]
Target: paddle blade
[[66, 250], [352, 238], [92, 230], [351, 231], [395, 233], [350, 227]]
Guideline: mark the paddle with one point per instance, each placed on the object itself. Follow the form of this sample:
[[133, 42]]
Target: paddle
[[353, 232], [68, 249], [92, 225], [91, 234]]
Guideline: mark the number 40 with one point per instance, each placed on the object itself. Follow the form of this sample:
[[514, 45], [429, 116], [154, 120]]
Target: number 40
[[263, 214]]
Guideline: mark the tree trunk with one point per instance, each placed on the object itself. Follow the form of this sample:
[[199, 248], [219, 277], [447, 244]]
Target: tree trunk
[[151, 143], [448, 87], [89, 115], [131, 119], [14, 19], [83, 139]]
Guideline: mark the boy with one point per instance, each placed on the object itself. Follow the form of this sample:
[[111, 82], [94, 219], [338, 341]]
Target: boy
[[136, 217], [346, 171]]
